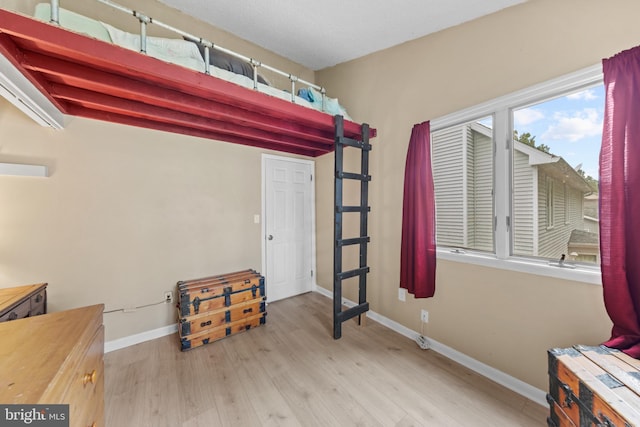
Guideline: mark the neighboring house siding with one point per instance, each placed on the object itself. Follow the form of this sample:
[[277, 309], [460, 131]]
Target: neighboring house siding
[[590, 204], [575, 201], [591, 225], [554, 240], [523, 205], [470, 213], [447, 150], [482, 191]]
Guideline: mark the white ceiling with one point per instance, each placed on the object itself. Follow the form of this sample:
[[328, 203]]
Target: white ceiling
[[319, 34]]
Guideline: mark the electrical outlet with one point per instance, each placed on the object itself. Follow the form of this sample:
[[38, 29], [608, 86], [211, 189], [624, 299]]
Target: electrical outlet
[[424, 316], [401, 294], [168, 297]]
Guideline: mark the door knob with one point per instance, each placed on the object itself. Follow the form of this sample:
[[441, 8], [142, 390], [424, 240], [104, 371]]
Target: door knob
[[269, 237]]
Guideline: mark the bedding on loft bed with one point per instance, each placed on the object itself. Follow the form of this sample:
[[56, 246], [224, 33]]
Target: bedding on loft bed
[[185, 53], [91, 69]]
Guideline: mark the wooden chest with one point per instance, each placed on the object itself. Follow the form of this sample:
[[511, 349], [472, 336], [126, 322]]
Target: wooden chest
[[210, 293], [23, 301], [593, 386], [212, 308], [208, 336]]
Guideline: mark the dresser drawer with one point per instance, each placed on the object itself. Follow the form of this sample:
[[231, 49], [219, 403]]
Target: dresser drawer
[[84, 393], [17, 312], [55, 358], [38, 303]]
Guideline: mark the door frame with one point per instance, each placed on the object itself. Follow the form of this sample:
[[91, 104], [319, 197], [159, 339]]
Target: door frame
[[263, 223]]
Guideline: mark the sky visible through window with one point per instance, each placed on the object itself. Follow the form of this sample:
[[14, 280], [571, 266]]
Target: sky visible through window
[[571, 126]]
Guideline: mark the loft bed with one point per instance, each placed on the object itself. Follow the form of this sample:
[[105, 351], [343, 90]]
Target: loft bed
[[50, 70], [75, 74]]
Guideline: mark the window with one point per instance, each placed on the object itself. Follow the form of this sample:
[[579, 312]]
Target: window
[[560, 137], [516, 178], [463, 181]]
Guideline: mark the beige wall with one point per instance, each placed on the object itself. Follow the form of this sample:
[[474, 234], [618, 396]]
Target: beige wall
[[127, 212], [507, 320], [124, 214]]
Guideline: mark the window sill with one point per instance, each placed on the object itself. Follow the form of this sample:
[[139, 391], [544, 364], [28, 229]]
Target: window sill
[[540, 268]]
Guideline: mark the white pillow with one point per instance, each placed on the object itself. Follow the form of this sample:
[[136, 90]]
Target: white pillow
[[73, 21], [176, 51]]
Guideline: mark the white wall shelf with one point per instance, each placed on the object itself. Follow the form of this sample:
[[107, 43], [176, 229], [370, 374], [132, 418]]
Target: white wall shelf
[[16, 169]]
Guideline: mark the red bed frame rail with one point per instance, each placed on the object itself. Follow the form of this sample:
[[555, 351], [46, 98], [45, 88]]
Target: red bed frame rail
[[86, 77]]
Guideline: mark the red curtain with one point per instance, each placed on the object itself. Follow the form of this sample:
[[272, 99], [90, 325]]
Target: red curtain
[[418, 251], [620, 200]]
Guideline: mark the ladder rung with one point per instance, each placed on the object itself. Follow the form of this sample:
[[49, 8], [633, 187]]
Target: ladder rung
[[352, 273], [353, 143], [354, 241], [352, 209], [357, 176], [353, 312]]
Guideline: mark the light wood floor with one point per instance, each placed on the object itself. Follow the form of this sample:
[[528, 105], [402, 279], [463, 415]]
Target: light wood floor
[[291, 372]]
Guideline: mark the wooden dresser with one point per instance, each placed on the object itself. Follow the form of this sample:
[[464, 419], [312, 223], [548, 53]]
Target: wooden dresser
[[56, 358], [23, 301]]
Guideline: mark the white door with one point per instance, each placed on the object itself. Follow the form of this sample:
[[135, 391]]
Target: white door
[[288, 226]]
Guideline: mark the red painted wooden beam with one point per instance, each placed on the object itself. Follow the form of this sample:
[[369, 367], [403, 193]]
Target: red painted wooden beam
[[138, 122], [10, 51], [100, 102]]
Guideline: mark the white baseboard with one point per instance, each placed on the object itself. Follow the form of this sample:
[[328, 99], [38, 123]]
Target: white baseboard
[[119, 343], [532, 393]]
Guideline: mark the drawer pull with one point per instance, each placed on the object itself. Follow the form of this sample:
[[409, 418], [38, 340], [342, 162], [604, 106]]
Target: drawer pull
[[38, 298], [13, 315], [90, 378], [247, 310], [203, 324]]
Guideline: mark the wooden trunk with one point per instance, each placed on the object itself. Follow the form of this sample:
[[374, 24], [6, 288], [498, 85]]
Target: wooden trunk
[[214, 318], [212, 308], [218, 278], [593, 386], [208, 294], [208, 336]]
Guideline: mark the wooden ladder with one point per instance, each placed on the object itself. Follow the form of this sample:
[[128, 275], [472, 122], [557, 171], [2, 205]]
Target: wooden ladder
[[339, 316]]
